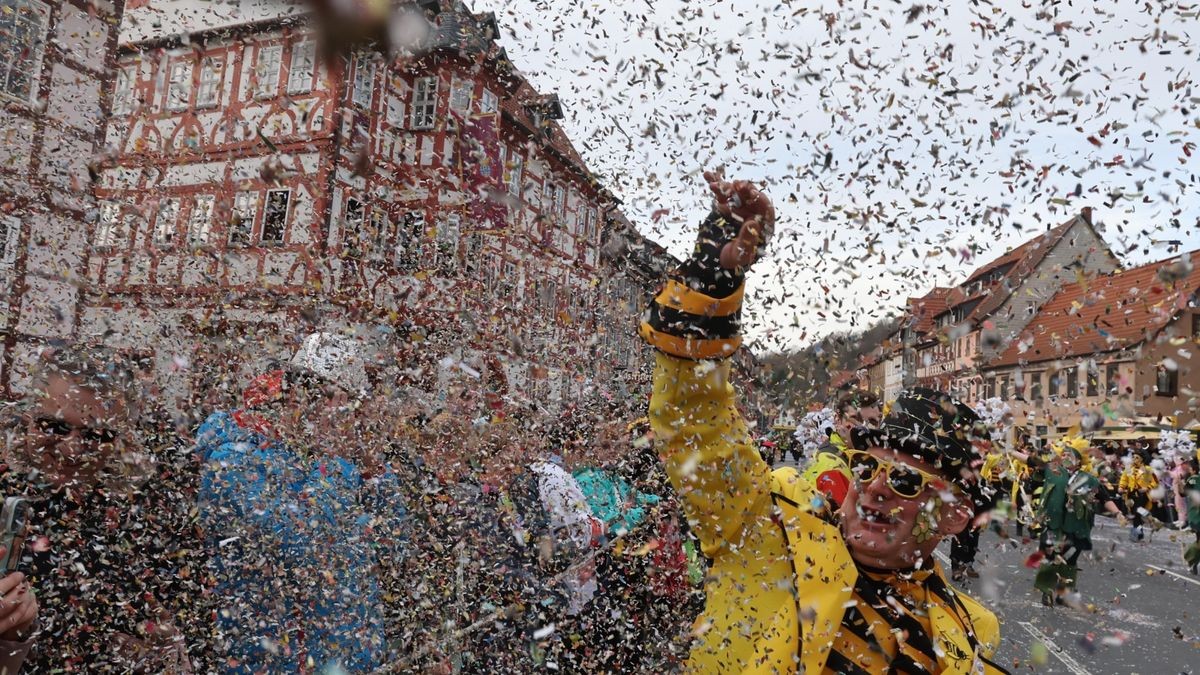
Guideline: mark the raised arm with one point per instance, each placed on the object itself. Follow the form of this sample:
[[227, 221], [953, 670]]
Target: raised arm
[[694, 324]]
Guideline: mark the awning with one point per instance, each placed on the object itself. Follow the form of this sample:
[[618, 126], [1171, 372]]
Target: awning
[[1125, 435]]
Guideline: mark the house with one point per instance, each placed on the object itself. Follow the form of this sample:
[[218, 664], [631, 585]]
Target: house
[[58, 60], [955, 331], [1119, 345], [258, 181]]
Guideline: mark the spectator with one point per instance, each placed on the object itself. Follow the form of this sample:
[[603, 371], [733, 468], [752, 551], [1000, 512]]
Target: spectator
[[115, 561], [294, 500]]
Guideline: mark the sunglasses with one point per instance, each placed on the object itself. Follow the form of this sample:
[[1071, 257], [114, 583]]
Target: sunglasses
[[52, 426], [906, 481]]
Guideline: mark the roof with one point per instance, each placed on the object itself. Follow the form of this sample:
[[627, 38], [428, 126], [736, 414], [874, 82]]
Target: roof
[[1024, 260], [925, 308], [1108, 313]]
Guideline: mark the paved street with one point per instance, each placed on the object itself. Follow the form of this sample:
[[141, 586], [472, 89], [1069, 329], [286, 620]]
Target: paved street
[[1141, 610]]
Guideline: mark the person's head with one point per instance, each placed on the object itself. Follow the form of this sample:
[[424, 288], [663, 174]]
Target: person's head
[[914, 480], [857, 408], [79, 413]]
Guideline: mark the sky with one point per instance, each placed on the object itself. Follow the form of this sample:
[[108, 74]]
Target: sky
[[903, 144]]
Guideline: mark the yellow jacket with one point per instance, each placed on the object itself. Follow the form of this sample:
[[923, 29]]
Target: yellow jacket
[[781, 576], [1137, 479]]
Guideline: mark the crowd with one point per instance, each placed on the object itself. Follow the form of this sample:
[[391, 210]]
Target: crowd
[[323, 525], [334, 521]]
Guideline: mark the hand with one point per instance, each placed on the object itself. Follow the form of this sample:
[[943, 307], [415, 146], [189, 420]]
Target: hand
[[18, 608], [743, 203]]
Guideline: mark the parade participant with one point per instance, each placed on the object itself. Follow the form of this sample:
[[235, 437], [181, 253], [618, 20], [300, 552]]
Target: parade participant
[[793, 587], [1192, 555], [1067, 514], [291, 497], [827, 469], [118, 572], [1137, 481]]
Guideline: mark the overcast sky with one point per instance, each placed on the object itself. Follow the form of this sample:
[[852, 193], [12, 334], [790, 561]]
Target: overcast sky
[[903, 146]]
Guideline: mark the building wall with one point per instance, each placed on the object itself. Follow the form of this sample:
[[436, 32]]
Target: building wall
[[52, 132], [1173, 350], [380, 218], [1079, 249]]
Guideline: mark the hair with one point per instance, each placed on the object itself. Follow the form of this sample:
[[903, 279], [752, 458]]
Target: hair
[[859, 398], [109, 373]]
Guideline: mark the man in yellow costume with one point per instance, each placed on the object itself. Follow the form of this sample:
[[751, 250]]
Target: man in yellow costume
[[795, 587]]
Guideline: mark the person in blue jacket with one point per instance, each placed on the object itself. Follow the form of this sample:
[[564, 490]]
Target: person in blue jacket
[[297, 516]]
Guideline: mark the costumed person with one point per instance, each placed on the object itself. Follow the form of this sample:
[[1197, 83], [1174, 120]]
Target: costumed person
[[1137, 482], [795, 587], [1067, 513], [1192, 555], [825, 449]]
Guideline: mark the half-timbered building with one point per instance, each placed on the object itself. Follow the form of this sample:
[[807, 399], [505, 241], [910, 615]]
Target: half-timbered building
[[256, 180]]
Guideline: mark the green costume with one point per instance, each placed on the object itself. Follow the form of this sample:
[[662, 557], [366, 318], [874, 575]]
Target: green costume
[[1191, 489], [1068, 514]]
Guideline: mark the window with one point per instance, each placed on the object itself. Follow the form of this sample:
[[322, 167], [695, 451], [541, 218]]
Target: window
[[1072, 375], [241, 221], [409, 240], [1004, 388], [1112, 378], [300, 74], [447, 243], [460, 95], [23, 30], [266, 71], [1093, 379], [364, 80], [424, 104], [379, 228], [200, 223], [513, 176], [166, 223], [1167, 383], [352, 236], [1035, 386], [275, 216], [989, 388], [123, 96], [395, 110], [474, 253], [179, 89], [109, 225], [1196, 326], [210, 83], [488, 103], [426, 150], [10, 233]]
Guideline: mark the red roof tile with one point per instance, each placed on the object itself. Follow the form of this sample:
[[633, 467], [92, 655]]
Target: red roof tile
[[1104, 314]]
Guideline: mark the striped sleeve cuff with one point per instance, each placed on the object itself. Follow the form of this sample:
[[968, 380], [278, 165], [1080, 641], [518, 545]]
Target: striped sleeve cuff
[[689, 324]]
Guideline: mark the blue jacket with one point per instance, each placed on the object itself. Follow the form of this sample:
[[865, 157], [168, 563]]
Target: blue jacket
[[294, 542]]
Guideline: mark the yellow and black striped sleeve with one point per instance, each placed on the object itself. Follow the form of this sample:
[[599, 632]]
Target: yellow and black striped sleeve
[[688, 324]]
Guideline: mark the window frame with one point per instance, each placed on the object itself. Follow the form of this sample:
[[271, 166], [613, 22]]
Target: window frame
[[165, 230], [458, 86], [238, 219], [212, 74], [423, 108], [107, 225], [1171, 387], [1112, 379], [362, 89], [10, 240], [36, 49], [181, 85], [261, 76], [410, 238], [287, 212], [489, 102], [298, 82], [204, 225], [517, 163], [353, 225], [123, 91]]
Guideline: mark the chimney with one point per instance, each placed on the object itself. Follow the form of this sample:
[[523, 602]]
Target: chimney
[[1086, 214]]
